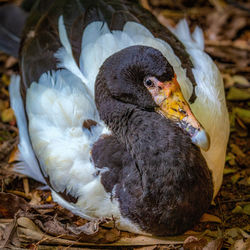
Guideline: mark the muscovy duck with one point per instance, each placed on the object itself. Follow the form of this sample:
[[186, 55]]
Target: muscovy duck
[[109, 108]]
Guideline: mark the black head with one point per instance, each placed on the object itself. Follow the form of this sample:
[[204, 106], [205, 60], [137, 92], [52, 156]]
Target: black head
[[125, 79], [141, 77]]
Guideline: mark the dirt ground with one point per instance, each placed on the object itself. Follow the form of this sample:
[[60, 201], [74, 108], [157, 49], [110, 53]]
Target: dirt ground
[[30, 220]]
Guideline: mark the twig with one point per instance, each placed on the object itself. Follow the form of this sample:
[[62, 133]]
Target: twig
[[43, 206], [19, 193], [46, 238], [222, 215], [227, 43], [9, 235], [26, 186], [6, 220], [145, 4], [2, 185], [8, 127], [236, 200]]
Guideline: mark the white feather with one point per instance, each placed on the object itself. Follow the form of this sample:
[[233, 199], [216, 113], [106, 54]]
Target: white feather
[[198, 37], [28, 164], [65, 56]]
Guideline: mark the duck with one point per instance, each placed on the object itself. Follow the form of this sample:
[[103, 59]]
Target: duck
[[120, 116]]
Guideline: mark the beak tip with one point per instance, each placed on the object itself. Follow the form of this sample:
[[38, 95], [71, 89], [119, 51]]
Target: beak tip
[[202, 140]]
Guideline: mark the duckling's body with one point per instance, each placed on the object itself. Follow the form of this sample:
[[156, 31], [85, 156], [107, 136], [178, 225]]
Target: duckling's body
[[89, 129]]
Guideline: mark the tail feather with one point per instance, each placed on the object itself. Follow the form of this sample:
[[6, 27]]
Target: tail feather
[[28, 164], [12, 19]]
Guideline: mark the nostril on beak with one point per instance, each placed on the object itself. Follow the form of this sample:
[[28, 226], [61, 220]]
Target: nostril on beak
[[160, 85]]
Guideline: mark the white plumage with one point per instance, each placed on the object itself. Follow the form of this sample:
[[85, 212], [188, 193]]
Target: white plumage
[[61, 100]]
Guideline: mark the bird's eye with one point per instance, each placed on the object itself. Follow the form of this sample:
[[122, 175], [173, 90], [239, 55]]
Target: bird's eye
[[149, 83]]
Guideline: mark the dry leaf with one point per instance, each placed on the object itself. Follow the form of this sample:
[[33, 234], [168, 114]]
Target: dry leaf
[[235, 233], [236, 94], [3, 105], [193, 243], [210, 218], [241, 245], [8, 234], [214, 245], [236, 150], [10, 62], [242, 210], [10, 204], [88, 228], [8, 115], [231, 159], [14, 155], [29, 232], [245, 181], [35, 198], [5, 79], [237, 210], [243, 114], [241, 80], [246, 209], [235, 178], [227, 171]]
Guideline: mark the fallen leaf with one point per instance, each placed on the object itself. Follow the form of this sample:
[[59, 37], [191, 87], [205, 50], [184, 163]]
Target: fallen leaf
[[35, 198], [236, 150], [7, 210], [235, 178], [155, 247], [214, 244], [88, 228], [80, 222], [227, 171], [237, 210], [236, 94], [247, 228], [49, 198], [193, 243], [29, 232], [3, 105], [236, 233], [228, 80], [245, 181], [5, 79], [10, 62], [54, 227], [27, 223], [241, 80], [8, 115], [230, 158], [14, 155], [241, 245], [210, 218], [243, 114], [246, 209], [8, 234]]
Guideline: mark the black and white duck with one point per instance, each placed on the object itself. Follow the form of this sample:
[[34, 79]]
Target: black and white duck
[[120, 116]]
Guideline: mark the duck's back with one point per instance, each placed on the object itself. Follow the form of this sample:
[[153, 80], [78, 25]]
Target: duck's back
[[41, 35]]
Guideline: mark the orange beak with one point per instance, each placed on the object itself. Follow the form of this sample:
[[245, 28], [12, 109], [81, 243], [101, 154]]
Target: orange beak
[[173, 106]]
